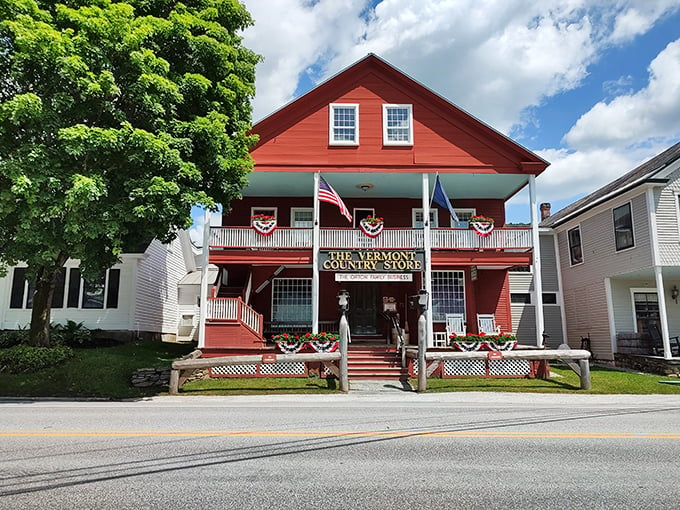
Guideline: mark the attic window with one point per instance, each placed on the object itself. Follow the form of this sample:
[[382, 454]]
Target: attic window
[[343, 124], [397, 124]]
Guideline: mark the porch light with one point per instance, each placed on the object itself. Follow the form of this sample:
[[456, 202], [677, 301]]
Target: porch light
[[343, 300], [365, 186], [674, 293]]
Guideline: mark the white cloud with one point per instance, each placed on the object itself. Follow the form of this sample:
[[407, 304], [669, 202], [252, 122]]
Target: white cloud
[[498, 60], [631, 119]]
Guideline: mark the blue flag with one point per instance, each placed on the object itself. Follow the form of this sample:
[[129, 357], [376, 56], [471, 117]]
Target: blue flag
[[439, 197]]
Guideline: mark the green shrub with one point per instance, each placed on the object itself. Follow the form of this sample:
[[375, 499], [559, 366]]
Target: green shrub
[[73, 334], [24, 358], [10, 338]]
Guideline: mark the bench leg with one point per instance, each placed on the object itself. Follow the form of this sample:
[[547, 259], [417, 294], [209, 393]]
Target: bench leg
[[584, 365]]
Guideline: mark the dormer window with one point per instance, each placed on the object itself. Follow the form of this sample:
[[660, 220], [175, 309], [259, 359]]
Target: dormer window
[[343, 124], [397, 124]]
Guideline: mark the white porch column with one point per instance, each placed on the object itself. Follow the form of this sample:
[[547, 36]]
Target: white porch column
[[427, 245], [538, 281], [658, 274], [316, 236], [203, 310]]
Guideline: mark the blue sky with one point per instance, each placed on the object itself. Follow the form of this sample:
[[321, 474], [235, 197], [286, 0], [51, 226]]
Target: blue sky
[[593, 86]]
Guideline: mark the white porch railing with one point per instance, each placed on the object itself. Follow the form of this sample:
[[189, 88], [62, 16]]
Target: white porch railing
[[394, 239], [234, 309]]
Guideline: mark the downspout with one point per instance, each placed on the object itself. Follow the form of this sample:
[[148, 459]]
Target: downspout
[[203, 310]]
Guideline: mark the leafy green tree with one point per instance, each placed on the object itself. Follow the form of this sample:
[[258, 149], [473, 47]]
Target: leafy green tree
[[116, 117]]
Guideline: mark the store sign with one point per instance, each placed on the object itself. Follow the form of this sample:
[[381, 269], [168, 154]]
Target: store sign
[[380, 261], [373, 277]]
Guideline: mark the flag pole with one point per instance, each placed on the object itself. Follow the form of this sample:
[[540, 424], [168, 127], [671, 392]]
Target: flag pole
[[316, 235]]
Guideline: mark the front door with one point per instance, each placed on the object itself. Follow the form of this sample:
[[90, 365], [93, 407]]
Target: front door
[[363, 303]]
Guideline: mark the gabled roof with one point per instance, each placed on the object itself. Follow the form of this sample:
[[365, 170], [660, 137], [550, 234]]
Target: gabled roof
[[269, 127], [646, 172]]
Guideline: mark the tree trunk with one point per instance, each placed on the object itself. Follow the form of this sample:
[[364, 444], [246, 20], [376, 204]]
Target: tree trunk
[[46, 279]]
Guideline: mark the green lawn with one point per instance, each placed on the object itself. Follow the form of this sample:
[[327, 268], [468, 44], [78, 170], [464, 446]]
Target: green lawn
[[105, 372]]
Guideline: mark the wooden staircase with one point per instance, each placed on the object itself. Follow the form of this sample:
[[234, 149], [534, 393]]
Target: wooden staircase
[[374, 362]]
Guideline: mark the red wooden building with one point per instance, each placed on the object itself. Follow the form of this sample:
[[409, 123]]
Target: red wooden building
[[380, 140]]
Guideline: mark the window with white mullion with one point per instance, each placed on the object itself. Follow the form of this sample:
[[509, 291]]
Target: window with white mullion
[[397, 124], [448, 294], [417, 218], [343, 124]]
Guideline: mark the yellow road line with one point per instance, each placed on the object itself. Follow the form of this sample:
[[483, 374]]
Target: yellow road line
[[347, 434]]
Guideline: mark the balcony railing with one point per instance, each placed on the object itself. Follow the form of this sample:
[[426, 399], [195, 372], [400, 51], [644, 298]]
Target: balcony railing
[[284, 238]]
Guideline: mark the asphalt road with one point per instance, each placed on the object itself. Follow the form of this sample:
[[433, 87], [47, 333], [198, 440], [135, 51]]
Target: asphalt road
[[361, 451]]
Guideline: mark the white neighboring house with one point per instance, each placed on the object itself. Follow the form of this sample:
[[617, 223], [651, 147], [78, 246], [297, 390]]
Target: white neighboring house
[[147, 295]]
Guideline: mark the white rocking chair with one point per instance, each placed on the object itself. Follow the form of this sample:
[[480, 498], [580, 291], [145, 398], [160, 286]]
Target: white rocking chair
[[455, 323], [486, 323]]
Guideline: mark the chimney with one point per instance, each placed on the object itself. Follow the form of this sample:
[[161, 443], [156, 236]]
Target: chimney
[[545, 210]]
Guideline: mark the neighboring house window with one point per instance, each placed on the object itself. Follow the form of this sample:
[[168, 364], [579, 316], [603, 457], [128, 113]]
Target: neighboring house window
[[302, 217], [575, 248], [646, 309], [623, 227], [417, 218], [22, 290], [464, 216], [267, 211], [344, 124], [520, 298], [397, 124], [98, 294], [521, 269], [360, 214], [292, 301], [448, 294], [549, 298]]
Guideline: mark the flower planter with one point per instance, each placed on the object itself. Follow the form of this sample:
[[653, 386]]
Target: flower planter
[[371, 226], [264, 227]]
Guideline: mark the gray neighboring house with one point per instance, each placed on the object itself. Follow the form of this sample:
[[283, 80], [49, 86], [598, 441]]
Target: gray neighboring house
[[619, 255], [522, 305]]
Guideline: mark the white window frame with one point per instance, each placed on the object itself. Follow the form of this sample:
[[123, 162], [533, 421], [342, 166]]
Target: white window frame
[[434, 217], [640, 290], [531, 299], [471, 210], [385, 110], [452, 278], [276, 282], [580, 236], [273, 210], [632, 227], [294, 210], [331, 124]]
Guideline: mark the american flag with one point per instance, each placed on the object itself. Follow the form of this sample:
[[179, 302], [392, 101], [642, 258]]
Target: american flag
[[328, 194]]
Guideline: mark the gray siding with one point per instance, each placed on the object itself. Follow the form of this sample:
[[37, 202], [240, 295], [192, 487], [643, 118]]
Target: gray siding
[[666, 201], [548, 263]]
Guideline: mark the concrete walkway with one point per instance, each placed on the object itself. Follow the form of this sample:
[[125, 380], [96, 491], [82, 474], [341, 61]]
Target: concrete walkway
[[379, 386]]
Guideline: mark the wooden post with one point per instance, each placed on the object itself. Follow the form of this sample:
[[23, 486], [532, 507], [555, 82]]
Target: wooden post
[[344, 347], [585, 374], [173, 388], [422, 346]]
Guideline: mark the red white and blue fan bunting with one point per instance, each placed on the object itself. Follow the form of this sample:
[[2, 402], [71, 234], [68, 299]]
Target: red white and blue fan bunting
[[371, 230], [482, 228], [264, 227]]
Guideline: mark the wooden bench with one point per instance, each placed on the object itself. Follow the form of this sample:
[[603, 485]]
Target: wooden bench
[[576, 359]]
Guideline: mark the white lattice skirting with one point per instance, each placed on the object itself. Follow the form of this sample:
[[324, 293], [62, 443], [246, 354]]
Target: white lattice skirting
[[478, 367], [267, 369]]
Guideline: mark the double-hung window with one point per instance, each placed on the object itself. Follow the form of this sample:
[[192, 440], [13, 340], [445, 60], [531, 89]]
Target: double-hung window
[[417, 218], [302, 217], [343, 124], [397, 124], [623, 227], [575, 248], [448, 294], [292, 301]]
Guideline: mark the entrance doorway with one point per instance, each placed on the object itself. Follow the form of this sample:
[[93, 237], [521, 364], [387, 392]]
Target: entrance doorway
[[363, 309]]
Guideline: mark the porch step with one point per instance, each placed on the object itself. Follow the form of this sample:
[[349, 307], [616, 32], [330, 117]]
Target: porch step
[[375, 363]]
